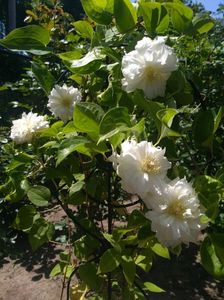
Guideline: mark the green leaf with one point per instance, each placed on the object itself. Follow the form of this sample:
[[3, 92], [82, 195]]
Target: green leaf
[[113, 243], [85, 246], [57, 269], [84, 29], [166, 117], [68, 271], [161, 251], [202, 23], [31, 38], [155, 16], [88, 274], [65, 257], [39, 195], [111, 96], [218, 242], [129, 268], [97, 10], [218, 118], [53, 130], [41, 232], [116, 122], [209, 192], [180, 15], [152, 287], [70, 55], [144, 260], [43, 76], [150, 107], [203, 128], [68, 146], [76, 195], [22, 159], [87, 117], [164, 21], [76, 187], [185, 97], [114, 118], [176, 82], [16, 188], [210, 260], [136, 219], [150, 12], [25, 217], [109, 261], [125, 15], [88, 63]]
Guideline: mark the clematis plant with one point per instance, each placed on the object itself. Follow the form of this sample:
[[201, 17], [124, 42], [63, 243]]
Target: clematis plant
[[118, 164]]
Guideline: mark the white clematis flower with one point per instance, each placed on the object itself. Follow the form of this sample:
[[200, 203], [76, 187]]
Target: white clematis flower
[[148, 67], [23, 130], [176, 214], [141, 166], [62, 101]]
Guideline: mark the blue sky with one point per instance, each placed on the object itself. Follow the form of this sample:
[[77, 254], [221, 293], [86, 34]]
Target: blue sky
[[211, 5]]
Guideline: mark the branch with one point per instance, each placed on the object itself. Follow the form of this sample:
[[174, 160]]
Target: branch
[[126, 205], [197, 94], [72, 274], [69, 281], [71, 215]]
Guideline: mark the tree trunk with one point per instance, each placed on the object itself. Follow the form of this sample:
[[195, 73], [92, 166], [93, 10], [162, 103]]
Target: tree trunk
[[11, 15]]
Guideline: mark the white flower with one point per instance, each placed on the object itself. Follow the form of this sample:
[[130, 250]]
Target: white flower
[[24, 129], [141, 166], [176, 214], [148, 67], [62, 101]]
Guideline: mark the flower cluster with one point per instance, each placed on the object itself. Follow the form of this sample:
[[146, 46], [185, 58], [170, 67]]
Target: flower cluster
[[175, 210], [148, 67], [23, 129], [61, 102]]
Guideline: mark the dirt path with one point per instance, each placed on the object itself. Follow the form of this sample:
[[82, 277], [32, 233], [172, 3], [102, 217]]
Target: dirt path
[[27, 278], [24, 275]]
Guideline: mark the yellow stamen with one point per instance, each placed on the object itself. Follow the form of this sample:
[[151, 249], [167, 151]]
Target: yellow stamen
[[176, 209], [150, 73], [66, 102], [150, 165]]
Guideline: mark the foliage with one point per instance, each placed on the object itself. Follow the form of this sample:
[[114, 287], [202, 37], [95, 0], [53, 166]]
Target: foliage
[[68, 163]]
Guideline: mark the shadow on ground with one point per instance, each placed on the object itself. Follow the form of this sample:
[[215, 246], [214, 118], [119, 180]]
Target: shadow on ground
[[184, 278], [24, 274], [38, 262]]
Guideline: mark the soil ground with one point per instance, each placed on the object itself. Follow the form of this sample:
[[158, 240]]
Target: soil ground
[[25, 276]]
